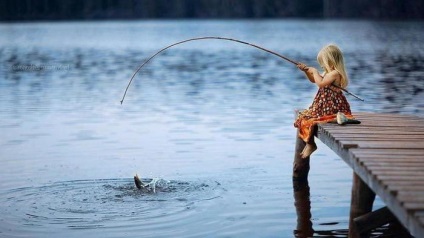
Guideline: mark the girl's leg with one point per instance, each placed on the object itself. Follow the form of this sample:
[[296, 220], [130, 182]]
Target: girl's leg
[[309, 148]]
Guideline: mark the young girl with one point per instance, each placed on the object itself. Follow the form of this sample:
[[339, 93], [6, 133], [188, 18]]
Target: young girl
[[329, 99]]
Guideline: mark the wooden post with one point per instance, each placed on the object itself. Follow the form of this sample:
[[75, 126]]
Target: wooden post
[[302, 201], [361, 203], [300, 165]]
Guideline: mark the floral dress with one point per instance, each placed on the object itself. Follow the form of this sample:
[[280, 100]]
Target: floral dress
[[327, 103]]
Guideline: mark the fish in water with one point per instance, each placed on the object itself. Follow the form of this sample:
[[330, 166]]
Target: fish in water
[[150, 186], [138, 183]]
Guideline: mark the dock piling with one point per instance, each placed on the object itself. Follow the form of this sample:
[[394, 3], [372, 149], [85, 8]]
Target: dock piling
[[300, 165], [362, 199]]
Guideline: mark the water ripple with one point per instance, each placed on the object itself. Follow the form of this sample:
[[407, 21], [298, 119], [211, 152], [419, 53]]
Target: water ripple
[[90, 204]]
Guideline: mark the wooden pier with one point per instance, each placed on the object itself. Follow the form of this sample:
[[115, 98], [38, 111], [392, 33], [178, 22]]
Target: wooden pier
[[386, 153]]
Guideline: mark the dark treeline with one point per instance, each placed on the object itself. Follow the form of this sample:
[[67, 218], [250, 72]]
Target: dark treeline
[[25, 10]]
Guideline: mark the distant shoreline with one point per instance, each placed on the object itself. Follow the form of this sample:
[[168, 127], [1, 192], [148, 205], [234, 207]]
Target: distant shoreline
[[205, 19], [98, 10]]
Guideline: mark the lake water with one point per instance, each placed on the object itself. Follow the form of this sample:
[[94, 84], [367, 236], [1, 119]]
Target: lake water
[[213, 119]]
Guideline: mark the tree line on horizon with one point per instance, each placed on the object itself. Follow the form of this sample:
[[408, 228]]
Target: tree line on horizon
[[28, 10]]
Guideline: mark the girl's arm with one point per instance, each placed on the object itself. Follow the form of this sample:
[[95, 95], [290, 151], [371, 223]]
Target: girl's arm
[[328, 79]]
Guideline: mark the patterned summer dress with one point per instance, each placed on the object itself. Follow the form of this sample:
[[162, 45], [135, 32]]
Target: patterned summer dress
[[328, 101]]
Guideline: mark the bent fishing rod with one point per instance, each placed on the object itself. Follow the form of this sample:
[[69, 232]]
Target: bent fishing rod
[[220, 38]]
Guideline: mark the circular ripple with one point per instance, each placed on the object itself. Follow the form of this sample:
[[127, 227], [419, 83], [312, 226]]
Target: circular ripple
[[90, 204]]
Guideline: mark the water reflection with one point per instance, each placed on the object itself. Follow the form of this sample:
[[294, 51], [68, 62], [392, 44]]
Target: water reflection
[[302, 204]]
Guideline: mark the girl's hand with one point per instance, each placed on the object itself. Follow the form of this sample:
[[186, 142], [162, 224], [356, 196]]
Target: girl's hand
[[302, 67], [308, 71], [312, 70]]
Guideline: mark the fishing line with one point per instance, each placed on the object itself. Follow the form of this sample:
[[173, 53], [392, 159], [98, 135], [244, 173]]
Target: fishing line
[[219, 38]]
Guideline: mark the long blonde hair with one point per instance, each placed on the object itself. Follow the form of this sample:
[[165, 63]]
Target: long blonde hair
[[330, 58]]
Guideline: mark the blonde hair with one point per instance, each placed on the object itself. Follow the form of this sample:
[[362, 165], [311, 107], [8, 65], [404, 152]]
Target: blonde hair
[[330, 58]]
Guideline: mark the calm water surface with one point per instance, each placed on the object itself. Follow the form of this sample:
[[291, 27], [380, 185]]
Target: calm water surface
[[213, 119]]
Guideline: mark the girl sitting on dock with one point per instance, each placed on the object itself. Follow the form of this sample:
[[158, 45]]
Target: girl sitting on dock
[[329, 99]]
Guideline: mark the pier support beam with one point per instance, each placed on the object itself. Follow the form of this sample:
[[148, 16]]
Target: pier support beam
[[365, 223], [361, 203], [300, 165]]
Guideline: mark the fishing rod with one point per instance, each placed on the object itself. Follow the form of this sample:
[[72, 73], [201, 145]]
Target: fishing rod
[[220, 38]]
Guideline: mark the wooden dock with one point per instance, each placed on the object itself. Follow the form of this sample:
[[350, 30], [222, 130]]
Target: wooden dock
[[386, 153]]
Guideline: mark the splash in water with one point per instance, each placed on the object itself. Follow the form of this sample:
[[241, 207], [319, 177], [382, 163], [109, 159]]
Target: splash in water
[[150, 186]]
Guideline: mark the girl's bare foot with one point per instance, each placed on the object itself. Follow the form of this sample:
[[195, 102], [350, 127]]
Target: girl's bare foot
[[303, 151], [308, 150]]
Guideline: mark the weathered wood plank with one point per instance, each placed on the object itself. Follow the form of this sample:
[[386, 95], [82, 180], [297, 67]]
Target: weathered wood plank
[[386, 151], [392, 163], [378, 169], [395, 188], [381, 139], [411, 196], [403, 177], [382, 130], [386, 144], [379, 126], [413, 154], [390, 159], [365, 129], [376, 136], [419, 214], [383, 133], [404, 183], [389, 165], [411, 206]]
